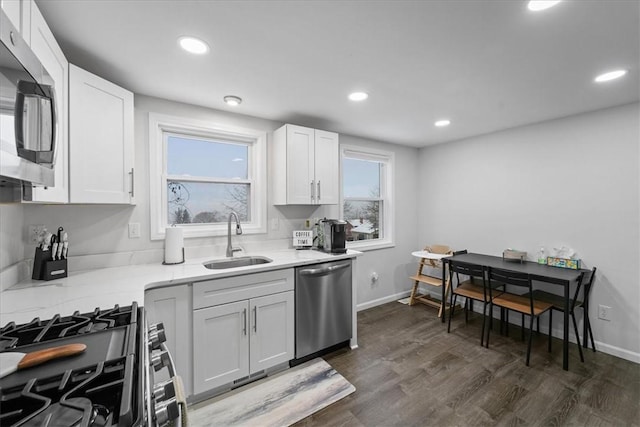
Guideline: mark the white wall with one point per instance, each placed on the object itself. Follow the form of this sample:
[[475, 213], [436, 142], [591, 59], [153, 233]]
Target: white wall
[[11, 234], [12, 245], [571, 182], [103, 229], [98, 233]]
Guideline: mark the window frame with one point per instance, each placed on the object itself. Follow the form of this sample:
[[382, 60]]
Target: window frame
[[160, 126], [387, 160]]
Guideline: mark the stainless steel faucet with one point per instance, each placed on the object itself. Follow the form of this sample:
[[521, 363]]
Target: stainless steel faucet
[[231, 249]]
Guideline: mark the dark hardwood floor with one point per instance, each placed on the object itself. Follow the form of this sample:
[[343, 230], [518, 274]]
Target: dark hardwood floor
[[408, 371]]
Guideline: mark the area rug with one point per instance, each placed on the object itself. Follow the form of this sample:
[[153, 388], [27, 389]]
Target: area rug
[[280, 400], [404, 300]]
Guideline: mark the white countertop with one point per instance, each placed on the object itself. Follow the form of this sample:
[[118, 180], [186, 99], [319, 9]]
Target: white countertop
[[83, 291]]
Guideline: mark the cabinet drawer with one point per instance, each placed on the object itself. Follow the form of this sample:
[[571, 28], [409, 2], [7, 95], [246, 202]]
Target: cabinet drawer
[[230, 289]]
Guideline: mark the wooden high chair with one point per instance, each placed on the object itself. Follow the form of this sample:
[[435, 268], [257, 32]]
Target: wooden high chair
[[433, 262]]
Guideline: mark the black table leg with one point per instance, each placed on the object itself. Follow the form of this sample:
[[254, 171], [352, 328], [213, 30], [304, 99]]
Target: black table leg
[[585, 320], [565, 327], [444, 285]]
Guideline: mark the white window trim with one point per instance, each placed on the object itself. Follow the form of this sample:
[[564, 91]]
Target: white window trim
[[387, 186], [158, 124]]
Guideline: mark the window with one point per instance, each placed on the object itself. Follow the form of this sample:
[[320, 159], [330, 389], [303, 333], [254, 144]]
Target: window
[[366, 197], [201, 172]]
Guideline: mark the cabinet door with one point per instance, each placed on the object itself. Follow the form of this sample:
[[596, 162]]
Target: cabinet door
[[13, 10], [48, 51], [327, 167], [220, 345], [19, 13], [101, 140], [272, 330], [172, 307], [300, 178]]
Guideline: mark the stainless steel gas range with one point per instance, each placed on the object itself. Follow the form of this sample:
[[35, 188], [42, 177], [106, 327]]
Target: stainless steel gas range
[[111, 383]]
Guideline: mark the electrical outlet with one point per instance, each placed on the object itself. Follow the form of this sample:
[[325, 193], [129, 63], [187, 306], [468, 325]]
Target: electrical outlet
[[134, 230], [34, 232], [604, 312]]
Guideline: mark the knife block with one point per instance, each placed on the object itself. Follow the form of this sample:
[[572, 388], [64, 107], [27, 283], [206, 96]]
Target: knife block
[[46, 268]]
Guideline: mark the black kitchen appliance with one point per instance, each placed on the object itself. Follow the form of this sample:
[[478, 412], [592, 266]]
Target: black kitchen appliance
[[335, 236], [109, 384]]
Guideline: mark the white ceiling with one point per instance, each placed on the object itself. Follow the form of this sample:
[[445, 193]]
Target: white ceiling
[[485, 65]]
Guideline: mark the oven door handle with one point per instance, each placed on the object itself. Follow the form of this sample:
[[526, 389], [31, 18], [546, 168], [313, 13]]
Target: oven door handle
[[172, 366], [323, 270]]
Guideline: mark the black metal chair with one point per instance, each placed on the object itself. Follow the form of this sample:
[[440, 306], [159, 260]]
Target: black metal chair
[[521, 303], [557, 302], [472, 289]]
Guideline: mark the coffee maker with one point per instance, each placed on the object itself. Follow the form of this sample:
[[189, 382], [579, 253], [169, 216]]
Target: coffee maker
[[335, 235]]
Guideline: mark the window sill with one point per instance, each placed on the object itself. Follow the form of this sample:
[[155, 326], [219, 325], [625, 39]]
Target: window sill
[[364, 247], [190, 232]]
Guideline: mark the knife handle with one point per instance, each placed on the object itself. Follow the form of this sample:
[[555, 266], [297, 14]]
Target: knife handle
[[37, 357]]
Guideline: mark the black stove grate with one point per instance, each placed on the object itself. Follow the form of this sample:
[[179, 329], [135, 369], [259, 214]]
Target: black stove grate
[[106, 392], [14, 336], [88, 397]]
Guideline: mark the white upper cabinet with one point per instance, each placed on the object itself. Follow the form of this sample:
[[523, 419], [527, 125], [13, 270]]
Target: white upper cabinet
[[48, 51], [19, 13], [100, 140], [305, 166], [327, 167]]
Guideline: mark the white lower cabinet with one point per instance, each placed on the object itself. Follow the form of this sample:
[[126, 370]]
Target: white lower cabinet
[[271, 339], [172, 307], [235, 340]]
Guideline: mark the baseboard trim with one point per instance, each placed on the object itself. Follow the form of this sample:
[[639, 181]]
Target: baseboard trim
[[618, 352], [383, 300]]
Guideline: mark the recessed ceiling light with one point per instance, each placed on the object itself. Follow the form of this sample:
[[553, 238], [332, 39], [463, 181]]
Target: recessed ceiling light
[[234, 101], [193, 45], [538, 5], [358, 96], [611, 75], [442, 123]]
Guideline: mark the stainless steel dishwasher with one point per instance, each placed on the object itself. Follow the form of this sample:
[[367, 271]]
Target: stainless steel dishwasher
[[323, 306]]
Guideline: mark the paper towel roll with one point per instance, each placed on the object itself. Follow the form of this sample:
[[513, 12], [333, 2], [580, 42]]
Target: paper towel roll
[[173, 246]]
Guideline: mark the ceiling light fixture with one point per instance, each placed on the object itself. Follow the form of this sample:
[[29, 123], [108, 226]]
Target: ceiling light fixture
[[234, 101], [358, 96], [611, 75], [442, 123], [193, 45], [538, 5]]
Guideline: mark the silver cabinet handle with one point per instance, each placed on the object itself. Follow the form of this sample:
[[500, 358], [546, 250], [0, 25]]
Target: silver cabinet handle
[[255, 319], [244, 327], [314, 271], [132, 182], [318, 191], [313, 192]]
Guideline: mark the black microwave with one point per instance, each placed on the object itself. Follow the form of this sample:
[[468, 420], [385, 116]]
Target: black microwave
[[27, 112]]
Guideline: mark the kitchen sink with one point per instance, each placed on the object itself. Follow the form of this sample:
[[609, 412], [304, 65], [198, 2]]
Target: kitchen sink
[[221, 264]]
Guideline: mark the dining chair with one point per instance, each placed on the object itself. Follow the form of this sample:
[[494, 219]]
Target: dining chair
[[422, 276], [557, 302], [522, 303], [471, 289]]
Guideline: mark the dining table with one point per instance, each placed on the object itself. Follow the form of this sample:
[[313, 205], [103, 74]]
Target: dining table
[[563, 277]]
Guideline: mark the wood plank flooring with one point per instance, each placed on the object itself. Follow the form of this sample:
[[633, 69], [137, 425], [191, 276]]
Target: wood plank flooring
[[408, 371]]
